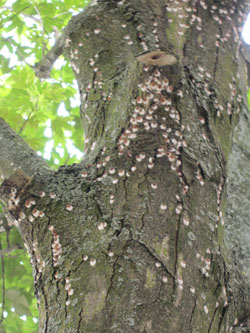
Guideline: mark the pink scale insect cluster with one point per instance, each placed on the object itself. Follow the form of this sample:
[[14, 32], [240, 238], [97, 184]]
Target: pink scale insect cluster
[[220, 13], [155, 93], [56, 246], [205, 262], [40, 262], [189, 16], [69, 289], [219, 194], [35, 212], [31, 213]]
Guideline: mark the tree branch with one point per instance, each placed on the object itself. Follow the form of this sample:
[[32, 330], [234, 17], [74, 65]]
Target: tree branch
[[44, 67], [10, 249], [15, 153]]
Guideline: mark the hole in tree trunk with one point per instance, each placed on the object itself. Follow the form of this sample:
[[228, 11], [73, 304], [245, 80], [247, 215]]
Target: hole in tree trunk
[[155, 57]]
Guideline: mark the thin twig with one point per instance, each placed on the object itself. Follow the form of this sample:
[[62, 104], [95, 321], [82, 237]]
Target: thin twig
[[22, 57], [67, 159], [35, 108], [32, 17], [9, 40], [10, 18], [60, 14], [43, 32], [7, 237], [10, 249], [25, 122]]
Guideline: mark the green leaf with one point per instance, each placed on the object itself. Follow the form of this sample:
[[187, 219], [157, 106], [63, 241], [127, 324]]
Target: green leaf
[[4, 63], [20, 5], [18, 301]]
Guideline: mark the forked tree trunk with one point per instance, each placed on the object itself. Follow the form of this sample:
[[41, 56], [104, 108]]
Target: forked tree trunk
[[150, 232]]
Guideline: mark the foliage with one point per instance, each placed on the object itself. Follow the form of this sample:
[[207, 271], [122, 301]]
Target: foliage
[[28, 30], [19, 306], [45, 114]]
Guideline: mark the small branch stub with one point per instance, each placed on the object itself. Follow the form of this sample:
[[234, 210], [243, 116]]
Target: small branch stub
[[157, 58], [17, 181]]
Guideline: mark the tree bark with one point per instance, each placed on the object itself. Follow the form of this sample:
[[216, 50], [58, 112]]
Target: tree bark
[[16, 154], [150, 232]]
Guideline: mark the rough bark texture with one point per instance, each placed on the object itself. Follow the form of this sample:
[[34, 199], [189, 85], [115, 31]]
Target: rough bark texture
[[15, 153], [150, 232]]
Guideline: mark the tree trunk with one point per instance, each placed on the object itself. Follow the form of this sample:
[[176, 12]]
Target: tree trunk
[[150, 232]]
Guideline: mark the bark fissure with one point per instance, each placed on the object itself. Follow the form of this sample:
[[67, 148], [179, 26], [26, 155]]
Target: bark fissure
[[112, 278], [46, 308], [223, 314], [155, 257], [176, 252], [80, 321], [193, 311], [212, 320], [225, 299]]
